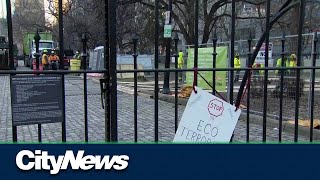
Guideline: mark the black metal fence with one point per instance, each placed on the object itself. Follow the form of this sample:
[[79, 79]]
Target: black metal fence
[[109, 83]]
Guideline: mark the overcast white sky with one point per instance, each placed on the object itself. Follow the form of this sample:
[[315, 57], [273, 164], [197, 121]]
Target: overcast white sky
[[3, 8]]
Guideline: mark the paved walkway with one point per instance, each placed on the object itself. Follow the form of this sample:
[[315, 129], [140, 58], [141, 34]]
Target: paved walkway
[[75, 119]]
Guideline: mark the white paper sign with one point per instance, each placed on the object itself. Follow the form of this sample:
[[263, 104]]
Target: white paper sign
[[262, 52], [207, 119], [167, 15]]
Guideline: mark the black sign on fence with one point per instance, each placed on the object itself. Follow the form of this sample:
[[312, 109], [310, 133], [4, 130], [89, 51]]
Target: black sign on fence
[[36, 99]]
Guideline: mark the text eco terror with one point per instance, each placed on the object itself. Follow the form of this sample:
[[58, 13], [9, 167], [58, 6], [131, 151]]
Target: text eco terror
[[40, 160]]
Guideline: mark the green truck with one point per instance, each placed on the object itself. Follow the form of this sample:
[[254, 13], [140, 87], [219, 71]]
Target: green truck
[[29, 48]]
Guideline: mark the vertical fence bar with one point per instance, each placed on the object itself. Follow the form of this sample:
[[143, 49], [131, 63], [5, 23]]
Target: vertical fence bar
[[85, 90], [14, 134], [313, 76], [11, 58], [135, 100], [283, 54], [214, 57], [196, 36], [37, 55], [299, 59], [156, 66], [176, 113], [248, 91], [232, 44], [266, 64], [61, 57], [37, 39], [231, 61], [113, 68], [61, 41], [107, 73]]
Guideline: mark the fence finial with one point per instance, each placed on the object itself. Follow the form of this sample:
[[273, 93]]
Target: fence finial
[[214, 37], [283, 36]]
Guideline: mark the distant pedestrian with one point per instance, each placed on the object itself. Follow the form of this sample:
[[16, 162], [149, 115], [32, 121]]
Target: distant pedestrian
[[53, 60], [279, 64], [180, 64], [45, 60], [293, 63], [77, 55], [237, 65]]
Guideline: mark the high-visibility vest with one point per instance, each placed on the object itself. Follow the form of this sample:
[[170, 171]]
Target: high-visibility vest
[[53, 58], [180, 60], [261, 66], [292, 63], [279, 64], [44, 59], [237, 63], [261, 71]]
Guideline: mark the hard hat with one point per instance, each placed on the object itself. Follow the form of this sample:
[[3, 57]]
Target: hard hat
[[52, 52], [293, 56], [45, 51], [77, 52], [237, 55]]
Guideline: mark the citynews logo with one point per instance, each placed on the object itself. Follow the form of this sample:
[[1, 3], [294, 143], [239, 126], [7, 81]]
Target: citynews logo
[[40, 160]]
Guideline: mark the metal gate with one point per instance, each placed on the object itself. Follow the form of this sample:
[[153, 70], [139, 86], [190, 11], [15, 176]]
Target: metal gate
[[109, 82]]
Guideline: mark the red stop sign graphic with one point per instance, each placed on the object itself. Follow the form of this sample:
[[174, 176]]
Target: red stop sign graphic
[[215, 107]]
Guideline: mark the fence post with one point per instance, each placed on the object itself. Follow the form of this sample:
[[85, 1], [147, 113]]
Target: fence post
[[281, 84], [313, 74], [196, 38], [297, 71], [214, 57], [176, 40], [248, 84], [266, 77], [37, 39], [37, 55], [135, 55], [113, 69], [107, 72], [156, 74], [61, 57], [84, 40]]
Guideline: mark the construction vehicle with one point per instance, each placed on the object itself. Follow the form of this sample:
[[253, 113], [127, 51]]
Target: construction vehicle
[[29, 47]]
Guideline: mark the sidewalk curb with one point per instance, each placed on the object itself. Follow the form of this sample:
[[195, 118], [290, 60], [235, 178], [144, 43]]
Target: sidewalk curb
[[256, 119]]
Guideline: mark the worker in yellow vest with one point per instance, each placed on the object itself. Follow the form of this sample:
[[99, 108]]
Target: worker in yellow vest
[[180, 64], [292, 63], [279, 64], [237, 65], [45, 60]]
